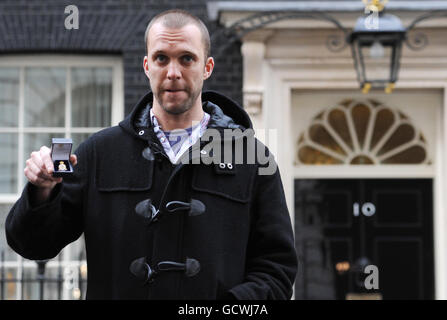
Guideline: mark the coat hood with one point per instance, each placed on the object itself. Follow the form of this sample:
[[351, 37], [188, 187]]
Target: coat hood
[[224, 112]]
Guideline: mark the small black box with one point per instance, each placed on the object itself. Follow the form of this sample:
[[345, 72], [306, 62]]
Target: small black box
[[60, 153]]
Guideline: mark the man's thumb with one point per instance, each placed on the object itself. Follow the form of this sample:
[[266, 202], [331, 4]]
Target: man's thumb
[[73, 159]]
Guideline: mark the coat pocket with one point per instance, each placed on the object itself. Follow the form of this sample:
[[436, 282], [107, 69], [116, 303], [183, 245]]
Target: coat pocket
[[130, 172], [234, 183]]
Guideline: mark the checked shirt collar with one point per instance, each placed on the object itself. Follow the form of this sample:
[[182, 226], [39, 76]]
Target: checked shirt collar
[[188, 137]]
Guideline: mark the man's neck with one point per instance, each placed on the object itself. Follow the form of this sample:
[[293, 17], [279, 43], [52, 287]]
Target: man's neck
[[187, 119]]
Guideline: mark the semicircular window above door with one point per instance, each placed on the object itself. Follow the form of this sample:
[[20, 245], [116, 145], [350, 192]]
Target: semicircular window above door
[[361, 132]]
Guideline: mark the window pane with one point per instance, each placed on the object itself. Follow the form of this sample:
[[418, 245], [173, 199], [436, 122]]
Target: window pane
[[44, 97], [413, 155], [309, 155], [91, 91], [6, 252], [30, 285], [9, 97], [403, 134], [383, 122], [337, 120], [54, 283], [360, 116], [78, 138], [377, 66], [320, 135], [10, 285], [33, 141], [8, 162]]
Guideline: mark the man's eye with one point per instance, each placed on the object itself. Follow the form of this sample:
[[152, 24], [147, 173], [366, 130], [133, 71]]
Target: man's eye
[[160, 58], [187, 58]]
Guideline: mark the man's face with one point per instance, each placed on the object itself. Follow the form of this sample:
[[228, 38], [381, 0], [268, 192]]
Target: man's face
[[176, 67]]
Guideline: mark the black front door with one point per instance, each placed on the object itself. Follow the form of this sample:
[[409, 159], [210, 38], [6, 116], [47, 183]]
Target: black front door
[[343, 226]]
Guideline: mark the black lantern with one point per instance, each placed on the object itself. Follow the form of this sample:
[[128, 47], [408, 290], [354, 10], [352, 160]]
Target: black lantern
[[376, 44]]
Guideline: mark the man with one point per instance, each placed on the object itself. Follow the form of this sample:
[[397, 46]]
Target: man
[[162, 221]]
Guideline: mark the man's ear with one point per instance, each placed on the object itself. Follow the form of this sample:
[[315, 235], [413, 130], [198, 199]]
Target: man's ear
[[146, 67], [209, 66]]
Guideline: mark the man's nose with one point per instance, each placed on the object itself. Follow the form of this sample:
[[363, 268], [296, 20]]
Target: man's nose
[[174, 71]]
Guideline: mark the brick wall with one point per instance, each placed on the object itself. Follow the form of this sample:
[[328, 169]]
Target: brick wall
[[107, 27]]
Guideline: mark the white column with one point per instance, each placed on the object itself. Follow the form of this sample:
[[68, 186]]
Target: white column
[[253, 54], [439, 212]]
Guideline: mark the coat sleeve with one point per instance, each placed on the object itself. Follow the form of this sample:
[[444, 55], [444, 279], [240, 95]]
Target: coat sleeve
[[42, 231], [271, 256]]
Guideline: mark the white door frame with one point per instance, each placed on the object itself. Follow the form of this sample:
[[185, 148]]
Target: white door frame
[[281, 77]]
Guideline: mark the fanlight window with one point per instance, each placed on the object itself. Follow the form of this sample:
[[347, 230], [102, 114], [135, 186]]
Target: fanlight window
[[361, 132]]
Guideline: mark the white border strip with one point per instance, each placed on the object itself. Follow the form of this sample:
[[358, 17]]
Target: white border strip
[[214, 8]]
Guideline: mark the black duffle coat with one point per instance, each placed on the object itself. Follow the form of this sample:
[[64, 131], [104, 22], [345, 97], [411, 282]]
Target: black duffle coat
[[230, 223]]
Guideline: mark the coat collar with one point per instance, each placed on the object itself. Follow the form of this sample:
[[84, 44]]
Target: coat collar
[[224, 112]]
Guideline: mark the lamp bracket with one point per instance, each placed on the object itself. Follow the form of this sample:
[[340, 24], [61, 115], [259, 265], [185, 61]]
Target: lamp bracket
[[335, 42], [240, 28], [418, 41]]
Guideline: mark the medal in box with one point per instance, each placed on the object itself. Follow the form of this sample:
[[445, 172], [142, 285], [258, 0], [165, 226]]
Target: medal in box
[[60, 153]]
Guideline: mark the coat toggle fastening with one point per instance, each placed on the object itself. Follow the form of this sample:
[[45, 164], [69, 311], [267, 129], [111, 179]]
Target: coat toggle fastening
[[143, 271]]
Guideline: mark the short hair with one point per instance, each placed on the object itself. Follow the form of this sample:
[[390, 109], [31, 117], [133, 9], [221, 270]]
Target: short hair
[[176, 19]]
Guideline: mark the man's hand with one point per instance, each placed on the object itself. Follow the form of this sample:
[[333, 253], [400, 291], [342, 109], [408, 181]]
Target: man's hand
[[39, 169]]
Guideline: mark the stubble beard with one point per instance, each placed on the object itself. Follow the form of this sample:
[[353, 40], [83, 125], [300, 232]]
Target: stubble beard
[[181, 108]]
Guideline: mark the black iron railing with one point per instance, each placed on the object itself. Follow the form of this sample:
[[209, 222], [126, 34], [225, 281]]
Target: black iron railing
[[41, 279]]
